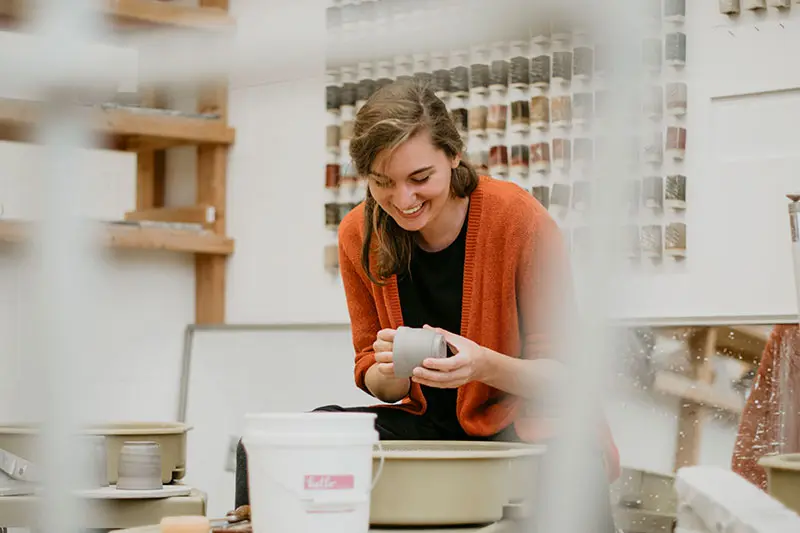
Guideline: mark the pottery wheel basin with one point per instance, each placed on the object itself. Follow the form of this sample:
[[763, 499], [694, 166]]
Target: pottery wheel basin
[[435, 483]]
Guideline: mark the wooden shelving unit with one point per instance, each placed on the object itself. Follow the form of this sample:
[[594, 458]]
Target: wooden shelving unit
[[696, 389], [136, 13], [148, 131], [127, 129], [698, 392], [138, 237]]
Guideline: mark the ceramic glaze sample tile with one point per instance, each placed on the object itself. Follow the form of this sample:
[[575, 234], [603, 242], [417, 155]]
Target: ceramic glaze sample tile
[[754, 5], [729, 7], [540, 71]]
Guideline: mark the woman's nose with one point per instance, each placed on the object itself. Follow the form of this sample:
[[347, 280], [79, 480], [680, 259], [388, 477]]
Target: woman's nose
[[405, 197]]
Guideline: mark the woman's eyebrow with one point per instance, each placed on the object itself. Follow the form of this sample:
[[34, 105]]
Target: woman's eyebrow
[[421, 170], [418, 171]]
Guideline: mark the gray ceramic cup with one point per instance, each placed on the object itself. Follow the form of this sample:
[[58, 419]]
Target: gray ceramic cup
[[412, 346], [139, 466]]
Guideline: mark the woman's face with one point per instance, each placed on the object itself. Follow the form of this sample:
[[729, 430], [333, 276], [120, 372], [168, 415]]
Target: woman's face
[[413, 184]]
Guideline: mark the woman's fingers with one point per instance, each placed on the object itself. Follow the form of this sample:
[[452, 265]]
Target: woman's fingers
[[384, 341], [387, 369], [436, 378], [432, 376], [386, 335], [439, 382], [383, 357], [382, 346], [446, 364]]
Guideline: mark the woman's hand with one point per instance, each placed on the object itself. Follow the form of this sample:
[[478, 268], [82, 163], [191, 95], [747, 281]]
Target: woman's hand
[[383, 347], [380, 378], [465, 366]]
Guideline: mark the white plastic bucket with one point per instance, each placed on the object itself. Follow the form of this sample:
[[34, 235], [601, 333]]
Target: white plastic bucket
[[310, 472]]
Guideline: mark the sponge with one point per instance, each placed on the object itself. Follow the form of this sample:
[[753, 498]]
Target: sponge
[[185, 524]]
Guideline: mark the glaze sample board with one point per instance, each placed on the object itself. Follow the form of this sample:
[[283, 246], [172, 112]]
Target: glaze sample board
[[742, 159], [739, 162]]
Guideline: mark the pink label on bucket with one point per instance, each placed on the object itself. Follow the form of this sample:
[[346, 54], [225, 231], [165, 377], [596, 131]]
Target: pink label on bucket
[[342, 482]]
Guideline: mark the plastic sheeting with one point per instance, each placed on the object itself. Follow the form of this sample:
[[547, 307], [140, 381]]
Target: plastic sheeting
[[770, 422]]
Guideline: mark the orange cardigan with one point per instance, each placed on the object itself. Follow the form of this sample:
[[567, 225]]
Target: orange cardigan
[[511, 241], [759, 427]]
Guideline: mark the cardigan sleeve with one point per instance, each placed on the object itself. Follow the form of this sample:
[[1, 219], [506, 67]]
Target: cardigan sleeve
[[758, 433], [547, 299], [544, 284], [364, 321]]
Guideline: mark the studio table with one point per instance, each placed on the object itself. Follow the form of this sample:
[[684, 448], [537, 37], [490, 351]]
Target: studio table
[[504, 526]]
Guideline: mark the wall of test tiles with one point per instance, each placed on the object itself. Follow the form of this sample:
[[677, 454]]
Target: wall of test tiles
[[531, 112], [735, 7]]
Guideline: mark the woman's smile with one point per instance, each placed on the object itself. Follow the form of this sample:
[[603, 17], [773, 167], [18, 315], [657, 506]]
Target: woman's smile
[[413, 212]]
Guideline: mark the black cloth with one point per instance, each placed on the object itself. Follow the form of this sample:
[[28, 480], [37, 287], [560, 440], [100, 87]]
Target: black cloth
[[431, 293]]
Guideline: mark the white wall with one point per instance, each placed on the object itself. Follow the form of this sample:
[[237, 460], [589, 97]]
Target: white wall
[[275, 213]]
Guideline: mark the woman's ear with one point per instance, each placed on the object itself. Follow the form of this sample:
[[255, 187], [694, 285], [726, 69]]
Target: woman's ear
[[456, 161]]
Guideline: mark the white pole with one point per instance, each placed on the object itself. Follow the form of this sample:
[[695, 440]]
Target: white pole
[[574, 476], [64, 255]]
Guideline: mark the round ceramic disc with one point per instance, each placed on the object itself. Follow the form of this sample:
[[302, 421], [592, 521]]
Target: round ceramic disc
[[113, 493]]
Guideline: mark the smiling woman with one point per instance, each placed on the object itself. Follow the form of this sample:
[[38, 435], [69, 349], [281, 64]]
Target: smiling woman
[[409, 148], [475, 258]]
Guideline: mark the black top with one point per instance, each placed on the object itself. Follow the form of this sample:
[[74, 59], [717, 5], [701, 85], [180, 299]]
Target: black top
[[431, 295]]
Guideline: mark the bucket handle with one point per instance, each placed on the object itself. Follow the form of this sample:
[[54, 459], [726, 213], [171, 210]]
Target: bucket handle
[[377, 475], [316, 501]]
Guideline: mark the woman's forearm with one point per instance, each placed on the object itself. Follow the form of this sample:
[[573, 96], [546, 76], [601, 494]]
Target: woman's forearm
[[526, 378], [384, 388]]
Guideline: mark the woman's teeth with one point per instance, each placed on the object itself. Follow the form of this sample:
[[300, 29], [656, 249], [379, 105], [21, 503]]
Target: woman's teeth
[[412, 210]]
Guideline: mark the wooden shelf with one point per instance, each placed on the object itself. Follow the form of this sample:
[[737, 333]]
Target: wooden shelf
[[124, 128], [204, 215], [139, 237], [152, 12], [698, 392], [745, 343], [150, 131], [137, 13]]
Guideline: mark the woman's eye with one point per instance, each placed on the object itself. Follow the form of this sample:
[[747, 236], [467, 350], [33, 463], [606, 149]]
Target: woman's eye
[[421, 180], [381, 182]]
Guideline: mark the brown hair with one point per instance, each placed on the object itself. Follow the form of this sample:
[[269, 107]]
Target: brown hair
[[393, 115]]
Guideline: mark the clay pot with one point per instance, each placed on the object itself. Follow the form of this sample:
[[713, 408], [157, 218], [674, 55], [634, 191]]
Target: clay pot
[[139, 466]]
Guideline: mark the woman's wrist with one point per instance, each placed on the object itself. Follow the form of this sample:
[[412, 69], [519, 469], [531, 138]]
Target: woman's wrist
[[520, 377], [488, 366], [386, 388]]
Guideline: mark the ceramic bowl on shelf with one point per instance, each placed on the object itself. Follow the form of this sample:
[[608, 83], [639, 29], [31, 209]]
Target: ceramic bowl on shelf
[[783, 478], [139, 466]]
